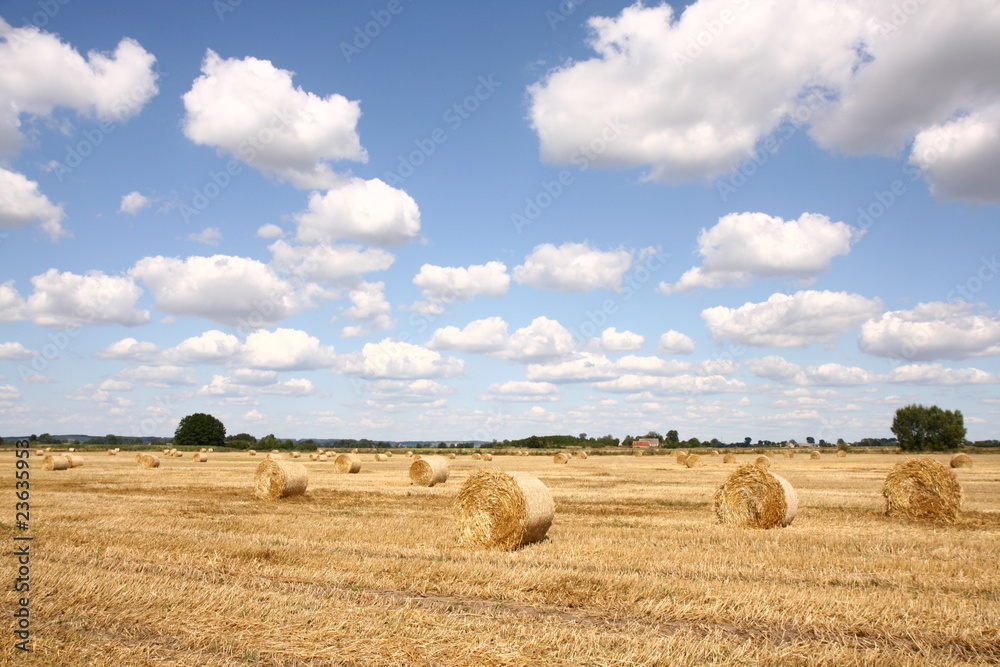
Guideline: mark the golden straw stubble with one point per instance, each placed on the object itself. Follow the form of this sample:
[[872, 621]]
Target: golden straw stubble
[[755, 498], [275, 479], [429, 470], [500, 510], [922, 489]]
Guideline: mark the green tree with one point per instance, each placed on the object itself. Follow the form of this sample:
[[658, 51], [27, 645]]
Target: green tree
[[269, 442], [200, 430], [919, 428], [245, 437], [672, 439]]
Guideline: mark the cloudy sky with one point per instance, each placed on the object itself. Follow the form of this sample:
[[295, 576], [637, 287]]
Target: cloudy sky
[[423, 220]]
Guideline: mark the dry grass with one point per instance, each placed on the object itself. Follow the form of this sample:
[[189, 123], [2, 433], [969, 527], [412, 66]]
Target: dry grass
[[187, 567]]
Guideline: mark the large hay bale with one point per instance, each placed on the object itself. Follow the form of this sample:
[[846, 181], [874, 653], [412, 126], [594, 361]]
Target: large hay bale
[[429, 470], [502, 510], [841, 453], [752, 497], [560, 458], [581, 455], [814, 454], [55, 462], [347, 464], [961, 461], [381, 457], [729, 458], [681, 457], [279, 479], [922, 489], [75, 460], [692, 460], [144, 460], [762, 462], [199, 457]]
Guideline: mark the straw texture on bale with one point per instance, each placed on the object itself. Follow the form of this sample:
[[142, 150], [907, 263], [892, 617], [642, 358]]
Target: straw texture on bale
[[560, 458], [200, 457], [429, 470], [961, 461], [502, 510], [75, 460], [922, 489], [279, 479], [144, 460], [347, 464], [752, 497], [381, 457], [762, 461], [814, 454], [841, 453], [56, 462], [692, 460], [729, 458], [487, 456], [581, 455]]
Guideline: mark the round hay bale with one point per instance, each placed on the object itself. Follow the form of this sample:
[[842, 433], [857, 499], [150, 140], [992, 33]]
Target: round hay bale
[[200, 457], [451, 455], [681, 457], [117, 449], [762, 462], [112, 452], [581, 455], [347, 464], [165, 451], [476, 456], [487, 456], [789, 454], [275, 451], [353, 451], [560, 458], [961, 461], [177, 454], [322, 457], [388, 455], [48, 449], [295, 455], [922, 489], [637, 452], [313, 457], [814, 454], [381, 457], [75, 460], [279, 479], [729, 458], [409, 454], [71, 449], [56, 462], [39, 452], [752, 497], [417, 457], [714, 452], [144, 460], [841, 453], [210, 450], [499, 510], [429, 470], [202, 450], [252, 452], [692, 460]]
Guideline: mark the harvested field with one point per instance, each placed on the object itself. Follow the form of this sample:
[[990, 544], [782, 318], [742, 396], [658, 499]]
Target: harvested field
[[187, 567]]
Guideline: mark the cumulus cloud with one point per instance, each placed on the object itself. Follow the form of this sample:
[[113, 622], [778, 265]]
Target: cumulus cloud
[[445, 284], [521, 391], [251, 110], [612, 340], [935, 330], [485, 336], [22, 203], [586, 367], [208, 236], [743, 246], [69, 300], [936, 374], [41, 73], [225, 289], [16, 351], [338, 265], [9, 392], [368, 211], [822, 375], [134, 202], [573, 267], [12, 306], [211, 347], [960, 159], [666, 385], [544, 339], [158, 376], [370, 308], [674, 342], [130, 349], [270, 231], [791, 320], [286, 349], [392, 359]]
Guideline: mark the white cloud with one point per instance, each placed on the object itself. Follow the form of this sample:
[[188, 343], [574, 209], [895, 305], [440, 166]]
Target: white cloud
[[407, 392], [486, 336], [158, 376], [332, 264], [791, 320], [12, 306], [208, 236], [368, 211], [253, 377], [16, 351], [586, 367], [542, 340], [397, 360], [445, 284], [130, 349], [292, 387], [674, 342], [742, 246], [936, 374], [612, 340], [370, 308], [211, 347], [134, 202], [250, 109], [42, 73], [69, 300], [935, 330], [521, 391], [573, 267], [960, 159], [777, 369], [636, 365], [286, 349], [680, 384], [222, 288], [270, 231], [21, 203], [9, 392]]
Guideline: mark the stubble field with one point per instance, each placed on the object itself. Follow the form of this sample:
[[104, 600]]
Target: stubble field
[[182, 565]]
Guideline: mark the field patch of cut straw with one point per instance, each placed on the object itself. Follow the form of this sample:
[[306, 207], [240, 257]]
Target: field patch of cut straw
[[185, 565]]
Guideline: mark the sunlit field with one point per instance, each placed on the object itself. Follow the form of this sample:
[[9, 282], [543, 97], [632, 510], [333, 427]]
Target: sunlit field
[[182, 565]]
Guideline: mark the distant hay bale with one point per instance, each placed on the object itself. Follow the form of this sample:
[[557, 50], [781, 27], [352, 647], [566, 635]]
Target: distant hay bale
[[476, 456], [75, 460], [353, 451], [48, 449], [112, 452], [752, 497], [39, 452], [762, 462], [841, 453], [681, 457], [178, 454], [71, 449], [814, 454], [499, 510], [409, 454], [581, 455], [417, 457], [347, 464], [692, 460], [165, 451], [144, 460], [560, 458], [200, 457], [637, 452], [788, 454], [922, 489], [252, 452], [295, 455], [312, 457], [381, 457], [279, 479], [275, 451], [714, 452], [56, 462], [388, 455], [117, 449], [961, 461], [322, 457], [487, 456], [429, 470], [202, 450], [451, 455], [210, 450]]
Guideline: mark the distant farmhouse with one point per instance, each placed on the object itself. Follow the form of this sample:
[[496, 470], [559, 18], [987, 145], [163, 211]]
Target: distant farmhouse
[[646, 442]]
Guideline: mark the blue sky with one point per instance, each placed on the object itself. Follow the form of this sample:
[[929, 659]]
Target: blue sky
[[416, 220]]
